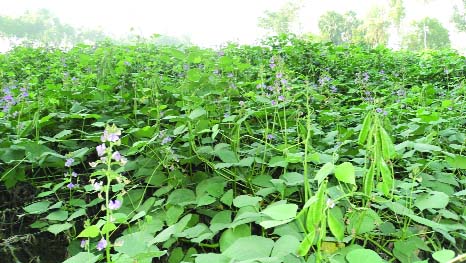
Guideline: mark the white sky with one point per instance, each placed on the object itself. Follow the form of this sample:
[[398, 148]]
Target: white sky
[[211, 22]]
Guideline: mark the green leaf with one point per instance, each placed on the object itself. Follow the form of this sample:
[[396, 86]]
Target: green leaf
[[281, 211], [211, 257], [285, 245], [361, 222], [363, 256], [90, 231], [336, 223], [77, 213], [227, 156], [278, 161], [423, 147], [135, 243], [57, 228], [444, 255], [457, 162], [197, 113], [229, 236], [60, 215], [431, 199], [83, 257], [246, 200], [107, 228], [324, 171], [249, 248], [194, 75], [227, 198], [181, 197], [345, 173], [221, 220], [37, 208]]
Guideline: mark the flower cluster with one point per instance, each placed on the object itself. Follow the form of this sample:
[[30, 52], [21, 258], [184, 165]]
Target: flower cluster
[[12, 96]]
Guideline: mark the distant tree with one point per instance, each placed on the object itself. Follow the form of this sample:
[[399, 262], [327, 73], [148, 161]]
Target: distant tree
[[376, 26], [340, 28], [427, 33], [44, 28], [280, 22], [397, 13], [459, 17]]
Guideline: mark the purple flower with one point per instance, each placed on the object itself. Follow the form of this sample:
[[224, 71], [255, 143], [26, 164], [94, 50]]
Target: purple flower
[[281, 97], [166, 140], [284, 81], [101, 149], [97, 185], [379, 110], [366, 76], [74, 174], [69, 162], [102, 244], [114, 204], [241, 103], [230, 75], [333, 89], [279, 75], [221, 53], [270, 137], [83, 243], [70, 185], [273, 102], [272, 65], [127, 63], [116, 156]]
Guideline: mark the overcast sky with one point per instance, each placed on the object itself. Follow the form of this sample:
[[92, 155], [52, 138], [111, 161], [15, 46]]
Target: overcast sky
[[211, 22]]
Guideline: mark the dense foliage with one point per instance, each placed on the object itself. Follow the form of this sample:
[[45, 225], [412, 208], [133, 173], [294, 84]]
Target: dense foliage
[[289, 152]]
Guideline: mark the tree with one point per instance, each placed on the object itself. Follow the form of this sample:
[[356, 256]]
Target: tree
[[376, 27], [340, 28], [397, 13], [459, 17], [427, 33], [280, 22], [42, 27]]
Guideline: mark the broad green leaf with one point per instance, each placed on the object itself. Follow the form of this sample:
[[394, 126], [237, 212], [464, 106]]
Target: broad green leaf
[[197, 113], [211, 258], [246, 200], [230, 235], [363, 256], [59, 215], [293, 178], [278, 161], [444, 255], [285, 245], [345, 173], [77, 213], [336, 223], [90, 231], [107, 228], [281, 211], [249, 248], [431, 199], [58, 228], [181, 197], [324, 171], [227, 156], [134, 243], [227, 198], [194, 75], [83, 257], [221, 220], [37, 208], [457, 162], [361, 222], [423, 147]]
